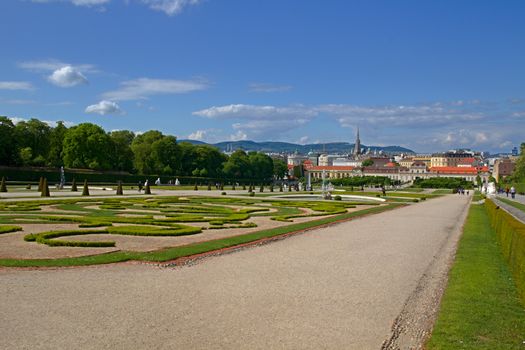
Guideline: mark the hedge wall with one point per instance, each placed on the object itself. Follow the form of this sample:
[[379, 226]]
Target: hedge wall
[[511, 235]]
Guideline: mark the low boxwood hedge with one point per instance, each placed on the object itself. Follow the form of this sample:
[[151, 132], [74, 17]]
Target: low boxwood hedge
[[9, 228]]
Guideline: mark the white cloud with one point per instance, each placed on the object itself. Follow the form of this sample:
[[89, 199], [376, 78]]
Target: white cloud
[[67, 77], [170, 7], [53, 65], [198, 135], [51, 123], [144, 87], [104, 108], [87, 3], [263, 87], [242, 111], [304, 140], [238, 136], [15, 85]]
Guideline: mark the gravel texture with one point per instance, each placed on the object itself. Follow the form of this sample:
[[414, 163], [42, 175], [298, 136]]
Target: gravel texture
[[365, 284]]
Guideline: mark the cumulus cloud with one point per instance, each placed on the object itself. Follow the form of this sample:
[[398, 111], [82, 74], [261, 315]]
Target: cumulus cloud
[[245, 111], [238, 136], [67, 77], [170, 7], [104, 108], [263, 87], [15, 85], [198, 135], [145, 87]]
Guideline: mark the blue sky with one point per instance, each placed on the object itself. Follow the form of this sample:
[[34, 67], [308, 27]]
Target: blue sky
[[428, 75]]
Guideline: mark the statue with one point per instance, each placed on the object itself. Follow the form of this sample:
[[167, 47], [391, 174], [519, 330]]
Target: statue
[[62, 178]]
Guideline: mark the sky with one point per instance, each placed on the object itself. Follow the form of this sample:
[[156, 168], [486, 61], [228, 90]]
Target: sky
[[427, 75]]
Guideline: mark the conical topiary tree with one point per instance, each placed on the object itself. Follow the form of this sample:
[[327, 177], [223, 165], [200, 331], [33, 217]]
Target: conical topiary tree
[[249, 188], [195, 188], [3, 187], [243, 187], [233, 187], [221, 186], [261, 189], [147, 190], [40, 184], [85, 190], [209, 186], [289, 188], [120, 192], [271, 188], [45, 189], [281, 187], [74, 186]]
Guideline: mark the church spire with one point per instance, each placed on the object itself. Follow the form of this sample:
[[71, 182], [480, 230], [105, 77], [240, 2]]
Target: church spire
[[357, 146]]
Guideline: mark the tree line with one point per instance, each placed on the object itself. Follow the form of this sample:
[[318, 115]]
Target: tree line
[[88, 146]]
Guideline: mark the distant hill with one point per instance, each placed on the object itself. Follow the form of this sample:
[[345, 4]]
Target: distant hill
[[285, 147]]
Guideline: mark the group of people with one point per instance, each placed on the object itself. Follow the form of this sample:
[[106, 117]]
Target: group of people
[[511, 190], [462, 191]]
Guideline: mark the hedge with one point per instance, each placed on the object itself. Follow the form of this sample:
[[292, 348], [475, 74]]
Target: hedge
[[7, 229], [511, 236]]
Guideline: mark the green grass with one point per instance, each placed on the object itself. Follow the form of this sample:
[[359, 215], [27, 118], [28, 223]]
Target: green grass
[[481, 308], [197, 248], [515, 204], [442, 191]]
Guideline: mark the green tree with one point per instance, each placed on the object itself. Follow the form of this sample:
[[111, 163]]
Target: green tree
[[8, 149], [261, 165], [367, 162], [519, 171], [56, 144], [86, 146], [280, 168], [122, 155], [165, 155], [238, 166], [34, 134], [142, 151]]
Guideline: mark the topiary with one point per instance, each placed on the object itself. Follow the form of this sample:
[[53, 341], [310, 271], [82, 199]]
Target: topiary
[[337, 198], [85, 190], [28, 187], [244, 187], [195, 188], [252, 194], [281, 187], [223, 193], [120, 192], [40, 184], [271, 188], [74, 185], [233, 187], [45, 189], [209, 187], [3, 187], [261, 189]]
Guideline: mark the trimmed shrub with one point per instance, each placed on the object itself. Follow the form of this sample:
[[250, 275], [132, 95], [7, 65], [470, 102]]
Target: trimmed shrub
[[337, 198], [40, 184], [271, 188], [261, 189], [28, 187], [195, 188], [511, 235], [3, 187], [223, 193], [74, 186], [209, 187], [281, 187], [120, 192], [47, 239], [7, 229], [176, 230], [85, 190], [244, 187], [252, 194], [45, 189], [233, 187]]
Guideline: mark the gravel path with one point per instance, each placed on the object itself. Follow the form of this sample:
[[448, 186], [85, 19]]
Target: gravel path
[[365, 284]]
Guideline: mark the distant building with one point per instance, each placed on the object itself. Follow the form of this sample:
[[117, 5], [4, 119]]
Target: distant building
[[357, 145], [515, 151], [503, 167]]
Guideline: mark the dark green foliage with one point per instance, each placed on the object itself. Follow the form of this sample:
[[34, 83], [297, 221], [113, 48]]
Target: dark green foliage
[[261, 189], [244, 187], [74, 186], [443, 182], [40, 184], [48, 238], [85, 189], [370, 181], [223, 193], [337, 198], [176, 230], [271, 188], [281, 187], [209, 187], [233, 187], [252, 194], [195, 188], [28, 187], [45, 189], [120, 192], [3, 187]]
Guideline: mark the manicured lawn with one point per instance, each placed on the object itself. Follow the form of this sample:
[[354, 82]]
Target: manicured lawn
[[515, 204], [481, 308]]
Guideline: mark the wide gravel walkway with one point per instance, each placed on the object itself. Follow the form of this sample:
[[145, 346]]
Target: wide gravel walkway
[[354, 285]]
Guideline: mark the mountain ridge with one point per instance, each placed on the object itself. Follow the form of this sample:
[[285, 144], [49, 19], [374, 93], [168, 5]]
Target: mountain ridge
[[288, 147]]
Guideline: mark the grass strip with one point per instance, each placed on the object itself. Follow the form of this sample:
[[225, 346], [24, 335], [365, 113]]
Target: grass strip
[[197, 248], [515, 204], [481, 308]]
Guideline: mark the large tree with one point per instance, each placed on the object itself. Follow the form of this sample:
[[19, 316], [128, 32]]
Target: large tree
[[86, 146], [122, 155], [165, 155], [142, 151], [8, 150], [280, 168], [56, 144], [33, 138], [238, 166], [261, 166]]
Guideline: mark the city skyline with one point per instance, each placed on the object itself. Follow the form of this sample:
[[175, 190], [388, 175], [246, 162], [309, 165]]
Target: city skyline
[[429, 77]]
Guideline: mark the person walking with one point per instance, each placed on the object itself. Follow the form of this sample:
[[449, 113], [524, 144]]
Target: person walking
[[507, 190], [140, 186], [513, 192]]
